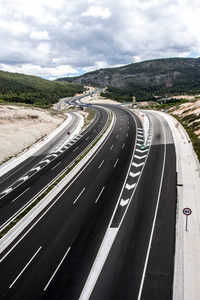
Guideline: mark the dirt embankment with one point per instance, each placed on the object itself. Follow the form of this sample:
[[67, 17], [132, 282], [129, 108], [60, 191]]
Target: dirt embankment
[[20, 127], [189, 113]]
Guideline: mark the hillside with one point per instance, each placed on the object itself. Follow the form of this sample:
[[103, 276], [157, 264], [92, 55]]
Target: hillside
[[145, 80], [23, 126], [188, 114], [34, 90]]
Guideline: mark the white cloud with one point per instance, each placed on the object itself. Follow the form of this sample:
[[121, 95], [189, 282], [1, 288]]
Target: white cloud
[[37, 70], [97, 11], [93, 34], [39, 35]]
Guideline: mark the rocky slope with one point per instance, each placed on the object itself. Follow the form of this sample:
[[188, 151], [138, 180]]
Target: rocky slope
[[165, 72], [23, 126]]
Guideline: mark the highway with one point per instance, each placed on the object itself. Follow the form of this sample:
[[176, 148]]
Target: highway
[[70, 222], [122, 191], [140, 263], [11, 176], [32, 177]]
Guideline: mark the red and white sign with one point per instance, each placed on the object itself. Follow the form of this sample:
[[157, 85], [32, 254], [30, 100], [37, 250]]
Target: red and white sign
[[187, 211], [68, 133]]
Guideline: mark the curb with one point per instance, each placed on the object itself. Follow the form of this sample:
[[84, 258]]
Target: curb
[[25, 221]]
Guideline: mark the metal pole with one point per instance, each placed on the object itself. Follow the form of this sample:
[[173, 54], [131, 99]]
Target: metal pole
[[186, 223]]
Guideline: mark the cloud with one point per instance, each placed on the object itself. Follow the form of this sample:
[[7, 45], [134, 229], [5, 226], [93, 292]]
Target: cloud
[[56, 38], [97, 11], [39, 35], [50, 73]]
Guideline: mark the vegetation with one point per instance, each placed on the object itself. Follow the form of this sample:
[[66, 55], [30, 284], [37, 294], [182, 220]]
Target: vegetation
[[141, 92], [146, 80], [19, 88], [191, 122]]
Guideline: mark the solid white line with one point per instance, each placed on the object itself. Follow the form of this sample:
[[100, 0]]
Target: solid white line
[[98, 263], [111, 147], [75, 149], [100, 194], [21, 194], [25, 267], [37, 221], [57, 269], [79, 196], [56, 166], [116, 162], [100, 164], [103, 251], [154, 220]]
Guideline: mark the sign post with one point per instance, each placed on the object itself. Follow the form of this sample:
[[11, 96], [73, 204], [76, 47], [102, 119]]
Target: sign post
[[68, 133], [187, 211]]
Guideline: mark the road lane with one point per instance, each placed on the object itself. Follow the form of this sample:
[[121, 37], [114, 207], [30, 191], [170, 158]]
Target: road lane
[[124, 274], [79, 226], [8, 178], [40, 180]]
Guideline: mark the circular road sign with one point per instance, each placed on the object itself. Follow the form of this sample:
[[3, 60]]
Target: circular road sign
[[187, 211], [68, 133]]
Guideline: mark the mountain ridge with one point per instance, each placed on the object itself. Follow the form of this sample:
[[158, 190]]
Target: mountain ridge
[[146, 79]]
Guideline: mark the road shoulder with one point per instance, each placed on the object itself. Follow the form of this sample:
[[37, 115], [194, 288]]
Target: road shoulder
[[187, 252]]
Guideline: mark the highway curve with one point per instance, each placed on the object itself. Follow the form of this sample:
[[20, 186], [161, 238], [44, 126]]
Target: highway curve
[[32, 177], [141, 261], [53, 257]]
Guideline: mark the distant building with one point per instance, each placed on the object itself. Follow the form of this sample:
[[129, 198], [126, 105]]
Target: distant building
[[134, 102]]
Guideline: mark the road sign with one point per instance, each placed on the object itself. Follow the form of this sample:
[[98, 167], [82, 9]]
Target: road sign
[[68, 133], [187, 211]]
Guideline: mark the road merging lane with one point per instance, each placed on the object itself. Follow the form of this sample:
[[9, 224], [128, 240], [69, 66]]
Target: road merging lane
[[48, 159], [119, 213], [78, 201], [43, 175], [80, 194]]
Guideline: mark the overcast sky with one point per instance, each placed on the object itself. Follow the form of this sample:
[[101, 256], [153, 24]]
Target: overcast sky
[[58, 38]]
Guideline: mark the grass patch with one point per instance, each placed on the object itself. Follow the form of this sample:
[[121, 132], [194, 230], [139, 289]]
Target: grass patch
[[188, 123]]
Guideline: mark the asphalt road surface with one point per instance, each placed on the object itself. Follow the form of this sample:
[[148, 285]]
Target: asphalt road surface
[[41, 170], [140, 263], [120, 189]]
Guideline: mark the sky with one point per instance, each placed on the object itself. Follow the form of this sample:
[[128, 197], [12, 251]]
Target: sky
[[60, 38]]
